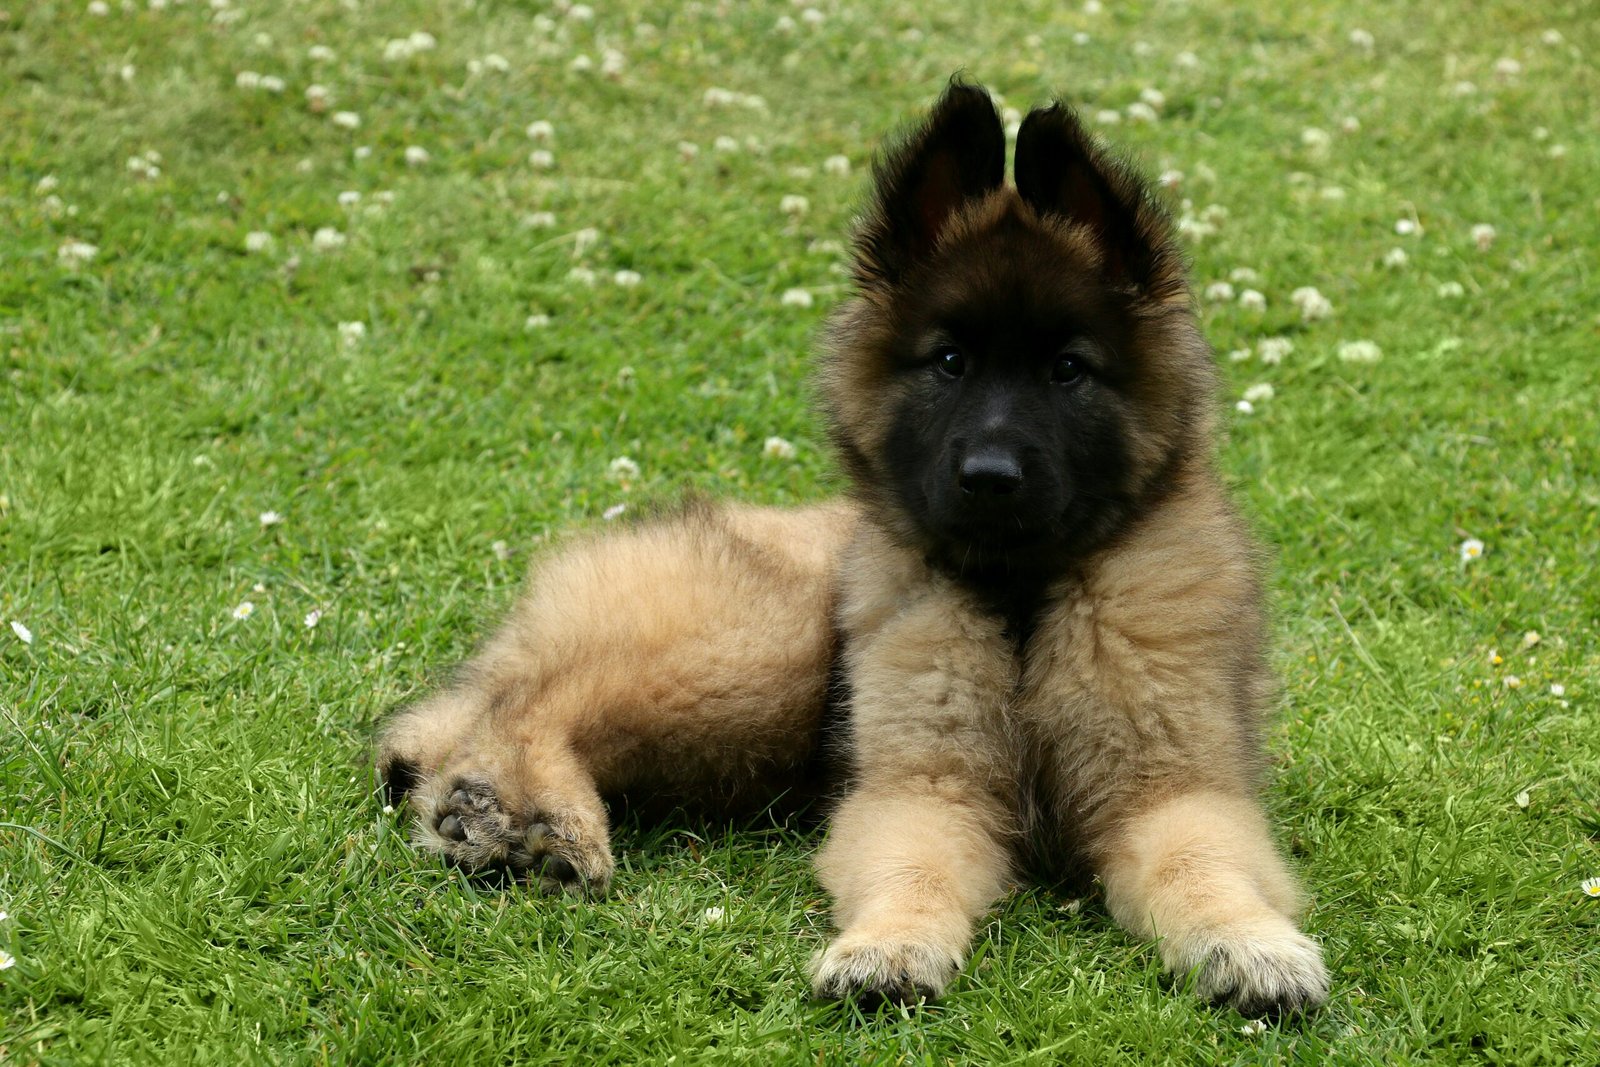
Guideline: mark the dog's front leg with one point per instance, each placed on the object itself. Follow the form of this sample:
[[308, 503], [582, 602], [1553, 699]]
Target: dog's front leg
[[922, 844]]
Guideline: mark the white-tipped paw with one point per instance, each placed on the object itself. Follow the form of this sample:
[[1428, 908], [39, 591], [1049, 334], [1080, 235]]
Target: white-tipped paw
[[1275, 970], [872, 970]]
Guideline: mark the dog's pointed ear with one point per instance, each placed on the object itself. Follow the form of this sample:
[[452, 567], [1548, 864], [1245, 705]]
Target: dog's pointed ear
[[957, 155], [1060, 170]]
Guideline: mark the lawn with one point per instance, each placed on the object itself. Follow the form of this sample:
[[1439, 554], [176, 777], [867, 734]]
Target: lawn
[[318, 320]]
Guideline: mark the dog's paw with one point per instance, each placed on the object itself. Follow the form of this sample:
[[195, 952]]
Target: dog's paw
[[873, 970], [1274, 972], [469, 825]]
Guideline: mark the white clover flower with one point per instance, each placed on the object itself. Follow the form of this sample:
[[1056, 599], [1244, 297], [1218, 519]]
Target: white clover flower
[[271, 83], [584, 240], [1153, 96], [1243, 276], [497, 63], [627, 278], [422, 41], [687, 150], [838, 166], [725, 144], [796, 298], [580, 13], [244, 610], [1273, 349], [536, 321], [1080, 38], [313, 617], [1557, 689], [318, 98], [1471, 549], [794, 204], [1261, 391], [582, 276], [1590, 887], [785, 25], [1312, 304], [47, 184], [1531, 638], [1239, 355], [270, 518], [581, 64], [777, 448], [613, 512], [1507, 67], [1483, 236], [99, 8], [416, 156], [1522, 799], [612, 63], [24, 634], [500, 550], [716, 96], [1107, 117], [349, 198], [1315, 139], [1244, 407], [1359, 352], [713, 915], [351, 334], [1186, 60], [541, 130], [1253, 300], [74, 253], [1395, 257], [1451, 290], [623, 468], [346, 120], [1551, 37], [1254, 1028], [247, 79], [1139, 111], [1350, 124], [539, 220], [1511, 681], [327, 239], [1362, 39], [541, 159], [1170, 179], [1220, 291], [1463, 88], [320, 53], [258, 241], [813, 16], [1407, 227]]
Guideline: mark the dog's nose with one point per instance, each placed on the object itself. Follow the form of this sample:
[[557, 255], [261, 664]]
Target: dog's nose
[[990, 472]]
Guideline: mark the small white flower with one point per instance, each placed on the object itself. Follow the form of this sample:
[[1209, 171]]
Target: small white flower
[[1239, 355], [1531, 638], [838, 166], [346, 120], [1253, 300], [535, 322], [794, 204], [541, 159], [1315, 139], [1557, 689], [612, 63], [796, 298], [1507, 67], [1243, 276], [349, 198], [244, 610], [687, 150], [584, 240], [1107, 117], [1522, 799], [4, 915], [24, 634], [1590, 887], [1254, 1028], [613, 512], [1471, 549], [777, 448], [725, 144], [422, 41], [580, 13], [1170, 179], [1312, 304], [1395, 257], [1153, 96], [313, 617], [1080, 38], [812, 16], [318, 98], [784, 25], [7, 960], [327, 239], [1362, 39], [1139, 111], [398, 49], [716, 96], [1350, 124], [623, 468], [627, 278], [582, 276], [500, 550], [1551, 37], [388, 809], [271, 83], [247, 79], [1244, 407], [99, 8], [1483, 236], [539, 220], [1219, 291], [1512, 682], [351, 334], [320, 53], [416, 156], [1359, 352], [47, 184], [713, 915], [1451, 290], [541, 130], [258, 241], [1273, 349], [581, 64], [1259, 392], [270, 518], [1406, 227], [73, 254]]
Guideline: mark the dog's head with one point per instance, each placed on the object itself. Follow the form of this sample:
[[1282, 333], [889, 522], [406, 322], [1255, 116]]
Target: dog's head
[[1020, 371]]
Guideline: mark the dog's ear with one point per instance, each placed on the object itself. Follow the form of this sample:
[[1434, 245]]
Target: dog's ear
[[1061, 171], [957, 155]]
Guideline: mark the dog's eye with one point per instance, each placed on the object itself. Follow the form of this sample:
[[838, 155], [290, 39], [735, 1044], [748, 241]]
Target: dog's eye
[[1066, 371], [952, 362]]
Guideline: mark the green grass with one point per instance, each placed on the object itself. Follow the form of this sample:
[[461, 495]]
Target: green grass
[[193, 861]]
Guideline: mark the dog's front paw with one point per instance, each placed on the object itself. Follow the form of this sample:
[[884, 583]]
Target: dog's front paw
[[1274, 971], [469, 825], [872, 970]]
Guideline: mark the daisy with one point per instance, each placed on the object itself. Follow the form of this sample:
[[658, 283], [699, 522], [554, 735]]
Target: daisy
[[270, 518], [313, 617], [1471, 549], [244, 610], [1556, 688], [1590, 887]]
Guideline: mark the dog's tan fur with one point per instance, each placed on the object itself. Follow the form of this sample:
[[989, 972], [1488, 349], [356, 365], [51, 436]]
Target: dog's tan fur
[[691, 657]]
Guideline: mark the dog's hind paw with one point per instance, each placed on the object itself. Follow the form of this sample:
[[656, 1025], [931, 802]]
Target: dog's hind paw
[[1277, 973], [467, 823], [872, 971]]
